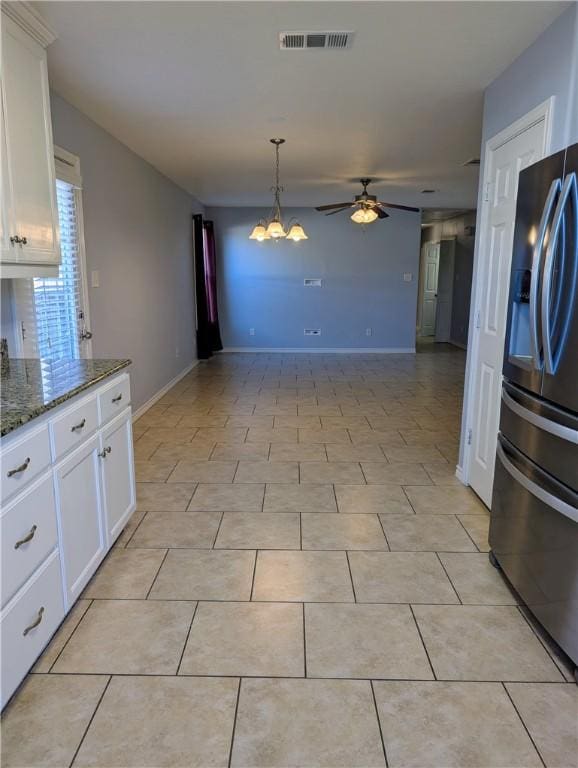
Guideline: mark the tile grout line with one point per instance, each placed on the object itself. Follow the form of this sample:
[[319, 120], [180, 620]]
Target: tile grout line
[[437, 554], [384, 533], [69, 637], [422, 640], [304, 644], [176, 674], [505, 687], [90, 721], [157, 573], [457, 516], [253, 578], [351, 576], [217, 533], [234, 722], [379, 723]]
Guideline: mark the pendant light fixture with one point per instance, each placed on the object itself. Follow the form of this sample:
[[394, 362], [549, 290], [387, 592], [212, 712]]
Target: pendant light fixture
[[272, 228]]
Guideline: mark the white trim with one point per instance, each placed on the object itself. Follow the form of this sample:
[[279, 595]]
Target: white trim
[[67, 167], [157, 396], [328, 350], [543, 112], [460, 474], [28, 19]]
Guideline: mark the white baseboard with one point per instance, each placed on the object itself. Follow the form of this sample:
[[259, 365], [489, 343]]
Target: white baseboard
[[460, 475], [157, 396], [328, 350]]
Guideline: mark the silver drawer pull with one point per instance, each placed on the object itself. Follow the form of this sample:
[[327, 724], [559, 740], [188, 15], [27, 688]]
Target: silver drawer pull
[[78, 426], [35, 623], [105, 451], [117, 399], [29, 536], [18, 470]]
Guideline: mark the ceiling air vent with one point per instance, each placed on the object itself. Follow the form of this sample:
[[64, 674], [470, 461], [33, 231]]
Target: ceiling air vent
[[300, 41]]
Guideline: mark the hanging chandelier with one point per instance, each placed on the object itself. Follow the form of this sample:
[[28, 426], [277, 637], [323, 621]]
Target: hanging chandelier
[[272, 228]]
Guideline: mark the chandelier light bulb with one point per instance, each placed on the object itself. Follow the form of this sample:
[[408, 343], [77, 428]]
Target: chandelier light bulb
[[297, 233], [259, 233], [275, 230]]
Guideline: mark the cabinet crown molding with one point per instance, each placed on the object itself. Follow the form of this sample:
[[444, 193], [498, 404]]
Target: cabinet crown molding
[[28, 18]]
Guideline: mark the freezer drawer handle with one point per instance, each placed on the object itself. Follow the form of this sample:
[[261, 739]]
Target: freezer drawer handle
[[559, 430], [552, 501], [569, 192], [555, 187]]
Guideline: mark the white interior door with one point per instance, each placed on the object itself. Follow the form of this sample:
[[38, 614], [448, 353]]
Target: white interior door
[[504, 164], [430, 286], [445, 290]]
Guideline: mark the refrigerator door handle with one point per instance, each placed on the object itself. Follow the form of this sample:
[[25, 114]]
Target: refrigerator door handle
[[555, 187], [552, 501], [569, 192], [547, 425]]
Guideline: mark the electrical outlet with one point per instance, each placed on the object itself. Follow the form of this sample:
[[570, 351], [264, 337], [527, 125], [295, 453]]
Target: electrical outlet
[[312, 331], [95, 279], [312, 282], [368, 331], [251, 331], [177, 352]]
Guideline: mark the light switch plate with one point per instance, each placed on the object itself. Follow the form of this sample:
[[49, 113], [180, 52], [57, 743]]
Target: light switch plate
[[407, 277], [95, 279]]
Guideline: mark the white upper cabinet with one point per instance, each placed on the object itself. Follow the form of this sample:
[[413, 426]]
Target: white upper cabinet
[[29, 218]]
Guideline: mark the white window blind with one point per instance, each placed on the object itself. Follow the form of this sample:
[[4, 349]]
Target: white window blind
[[51, 308]]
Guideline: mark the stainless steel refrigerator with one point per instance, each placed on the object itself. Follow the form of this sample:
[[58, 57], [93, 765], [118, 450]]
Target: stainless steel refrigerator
[[534, 518]]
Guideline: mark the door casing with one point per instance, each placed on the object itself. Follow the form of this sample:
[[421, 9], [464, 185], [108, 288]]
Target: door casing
[[543, 111]]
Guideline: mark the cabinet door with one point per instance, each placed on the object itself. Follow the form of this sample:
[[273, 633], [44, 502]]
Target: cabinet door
[[80, 516], [8, 251], [118, 473], [29, 148]]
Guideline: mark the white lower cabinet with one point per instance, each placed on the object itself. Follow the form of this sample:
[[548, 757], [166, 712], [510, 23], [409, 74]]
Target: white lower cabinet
[[59, 525], [80, 516], [117, 473], [28, 622]]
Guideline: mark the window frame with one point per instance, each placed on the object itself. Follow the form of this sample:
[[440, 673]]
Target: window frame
[[67, 169]]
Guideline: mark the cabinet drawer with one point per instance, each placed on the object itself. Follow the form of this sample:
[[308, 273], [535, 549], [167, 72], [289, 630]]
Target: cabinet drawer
[[23, 635], [23, 460], [114, 398], [74, 426], [28, 528]]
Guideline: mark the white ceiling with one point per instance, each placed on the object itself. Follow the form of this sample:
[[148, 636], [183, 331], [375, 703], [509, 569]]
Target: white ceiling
[[198, 88]]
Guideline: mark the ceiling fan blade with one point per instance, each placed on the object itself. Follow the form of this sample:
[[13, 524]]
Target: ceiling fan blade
[[400, 207], [382, 214], [346, 208], [334, 205]]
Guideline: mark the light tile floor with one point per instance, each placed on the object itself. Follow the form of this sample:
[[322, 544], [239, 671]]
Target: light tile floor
[[304, 583]]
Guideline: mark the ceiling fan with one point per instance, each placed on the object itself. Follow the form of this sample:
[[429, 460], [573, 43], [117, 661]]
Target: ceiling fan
[[367, 207]]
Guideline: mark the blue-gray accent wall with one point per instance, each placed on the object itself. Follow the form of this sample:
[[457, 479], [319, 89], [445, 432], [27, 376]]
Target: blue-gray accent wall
[[362, 269]]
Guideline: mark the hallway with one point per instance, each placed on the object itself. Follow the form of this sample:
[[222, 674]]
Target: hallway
[[304, 583]]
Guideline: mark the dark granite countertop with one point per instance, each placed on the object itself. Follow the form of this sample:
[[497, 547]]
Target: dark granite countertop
[[31, 386]]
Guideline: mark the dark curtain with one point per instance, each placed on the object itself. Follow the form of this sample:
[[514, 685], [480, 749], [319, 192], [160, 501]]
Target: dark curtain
[[208, 333]]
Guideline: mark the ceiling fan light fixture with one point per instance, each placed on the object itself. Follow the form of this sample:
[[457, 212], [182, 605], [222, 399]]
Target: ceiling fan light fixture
[[364, 216], [297, 233]]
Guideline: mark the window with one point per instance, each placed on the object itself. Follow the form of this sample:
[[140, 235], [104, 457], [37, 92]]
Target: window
[[53, 310]]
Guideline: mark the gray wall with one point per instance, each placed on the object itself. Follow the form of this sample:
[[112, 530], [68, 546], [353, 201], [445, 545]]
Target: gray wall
[[138, 236], [261, 284], [547, 68]]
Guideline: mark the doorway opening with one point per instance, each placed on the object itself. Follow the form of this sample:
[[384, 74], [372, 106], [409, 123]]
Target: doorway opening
[[445, 277]]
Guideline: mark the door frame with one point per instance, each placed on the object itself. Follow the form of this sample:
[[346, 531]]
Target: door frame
[[422, 281], [543, 111]]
